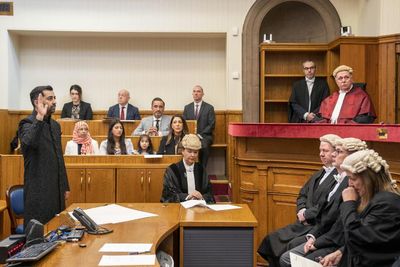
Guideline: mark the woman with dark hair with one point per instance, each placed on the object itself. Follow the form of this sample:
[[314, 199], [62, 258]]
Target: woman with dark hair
[[77, 109], [178, 129], [370, 214], [116, 144]]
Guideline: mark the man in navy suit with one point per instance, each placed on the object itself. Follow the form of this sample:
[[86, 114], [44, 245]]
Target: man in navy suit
[[123, 110], [205, 116], [307, 95]]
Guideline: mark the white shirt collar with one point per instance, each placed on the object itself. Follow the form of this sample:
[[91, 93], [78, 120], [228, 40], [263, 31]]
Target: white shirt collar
[[310, 80], [189, 168]]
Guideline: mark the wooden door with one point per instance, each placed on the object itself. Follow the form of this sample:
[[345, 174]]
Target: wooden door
[[154, 184], [131, 185], [77, 185], [100, 185]]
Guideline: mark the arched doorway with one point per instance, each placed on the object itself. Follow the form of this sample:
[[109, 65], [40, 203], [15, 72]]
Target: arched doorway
[[289, 21]]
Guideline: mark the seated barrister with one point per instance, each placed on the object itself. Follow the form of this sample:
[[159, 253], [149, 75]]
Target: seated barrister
[[370, 214], [77, 109], [81, 143], [116, 144], [156, 125], [169, 144], [307, 95], [330, 209], [311, 194], [187, 179], [350, 104]]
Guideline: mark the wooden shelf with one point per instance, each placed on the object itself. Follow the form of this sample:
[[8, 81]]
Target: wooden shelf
[[290, 75], [285, 101], [281, 66]]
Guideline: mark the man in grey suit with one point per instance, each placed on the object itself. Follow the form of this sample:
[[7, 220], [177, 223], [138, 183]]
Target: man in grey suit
[[205, 116], [156, 125]]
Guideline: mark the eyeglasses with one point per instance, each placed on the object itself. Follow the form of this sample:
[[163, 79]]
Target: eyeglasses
[[309, 68], [343, 78]]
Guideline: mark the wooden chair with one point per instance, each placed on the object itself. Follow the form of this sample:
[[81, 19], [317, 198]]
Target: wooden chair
[[15, 207]]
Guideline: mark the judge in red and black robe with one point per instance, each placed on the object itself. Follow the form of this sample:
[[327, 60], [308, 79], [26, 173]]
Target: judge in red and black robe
[[350, 104]]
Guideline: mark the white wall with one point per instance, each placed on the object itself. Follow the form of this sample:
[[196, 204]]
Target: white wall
[[147, 67], [367, 18], [390, 17], [147, 16]]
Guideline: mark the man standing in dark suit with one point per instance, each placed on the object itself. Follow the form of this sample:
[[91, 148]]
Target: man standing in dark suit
[[307, 95], [205, 116], [123, 110]]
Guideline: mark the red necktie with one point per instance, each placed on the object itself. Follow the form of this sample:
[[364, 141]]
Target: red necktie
[[122, 116]]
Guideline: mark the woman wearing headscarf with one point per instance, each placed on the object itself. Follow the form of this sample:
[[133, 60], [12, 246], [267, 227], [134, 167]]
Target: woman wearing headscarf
[[81, 143]]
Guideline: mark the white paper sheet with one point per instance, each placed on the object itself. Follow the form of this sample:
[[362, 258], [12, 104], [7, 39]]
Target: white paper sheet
[[202, 203], [218, 207], [152, 156], [114, 213], [299, 261], [126, 260], [191, 203], [126, 247]]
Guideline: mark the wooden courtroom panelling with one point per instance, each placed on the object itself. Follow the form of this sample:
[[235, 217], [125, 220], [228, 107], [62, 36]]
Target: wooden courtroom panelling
[[4, 132], [91, 185], [11, 173], [140, 184], [281, 212]]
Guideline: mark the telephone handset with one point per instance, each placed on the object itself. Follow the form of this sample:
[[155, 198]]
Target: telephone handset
[[91, 226]]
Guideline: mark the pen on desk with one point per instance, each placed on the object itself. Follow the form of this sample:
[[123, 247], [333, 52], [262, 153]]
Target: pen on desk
[[139, 252]]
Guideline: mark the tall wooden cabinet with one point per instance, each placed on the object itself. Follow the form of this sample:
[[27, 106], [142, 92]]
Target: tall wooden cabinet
[[281, 66]]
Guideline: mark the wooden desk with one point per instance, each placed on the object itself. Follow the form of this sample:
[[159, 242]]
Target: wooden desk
[[162, 231], [155, 230]]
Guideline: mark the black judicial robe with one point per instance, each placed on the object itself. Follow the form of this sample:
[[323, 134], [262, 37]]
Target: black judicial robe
[[45, 178], [311, 197], [330, 211], [372, 237], [175, 187]]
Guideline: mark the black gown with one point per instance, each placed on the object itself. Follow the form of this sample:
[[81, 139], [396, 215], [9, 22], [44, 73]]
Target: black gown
[[45, 178], [175, 187], [311, 197], [372, 238]]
